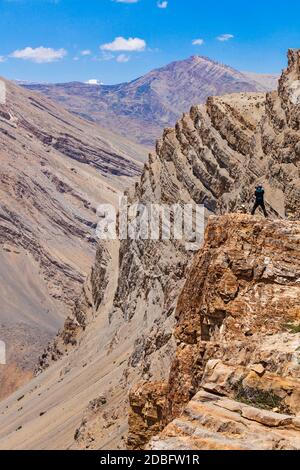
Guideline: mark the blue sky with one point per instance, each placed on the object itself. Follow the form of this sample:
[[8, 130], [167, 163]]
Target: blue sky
[[118, 40]]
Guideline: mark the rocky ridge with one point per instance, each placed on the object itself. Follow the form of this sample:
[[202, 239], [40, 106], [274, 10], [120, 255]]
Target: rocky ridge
[[211, 422], [215, 156], [237, 335]]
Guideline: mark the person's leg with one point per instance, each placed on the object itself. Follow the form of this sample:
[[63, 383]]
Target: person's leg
[[254, 208], [264, 209]]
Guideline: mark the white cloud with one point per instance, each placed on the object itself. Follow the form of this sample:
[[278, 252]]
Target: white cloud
[[39, 55], [2, 58], [162, 4], [93, 81], [122, 58], [104, 57], [126, 45], [198, 42], [86, 52], [225, 37]]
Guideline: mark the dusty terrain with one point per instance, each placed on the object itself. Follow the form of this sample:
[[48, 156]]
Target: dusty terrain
[[55, 170], [142, 108]]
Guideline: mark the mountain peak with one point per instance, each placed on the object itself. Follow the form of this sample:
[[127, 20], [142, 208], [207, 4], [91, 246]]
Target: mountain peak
[[201, 58], [196, 58]]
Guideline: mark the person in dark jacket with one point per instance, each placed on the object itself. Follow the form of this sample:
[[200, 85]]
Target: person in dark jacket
[[259, 200]]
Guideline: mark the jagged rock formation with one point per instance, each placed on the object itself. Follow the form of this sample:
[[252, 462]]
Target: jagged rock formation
[[243, 287], [143, 107], [237, 336], [148, 403], [214, 156], [55, 170]]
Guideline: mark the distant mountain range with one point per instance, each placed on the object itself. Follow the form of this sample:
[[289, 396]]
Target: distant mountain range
[[142, 108]]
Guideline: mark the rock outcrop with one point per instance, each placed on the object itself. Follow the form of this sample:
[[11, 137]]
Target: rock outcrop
[[241, 293], [237, 321], [212, 422], [148, 402]]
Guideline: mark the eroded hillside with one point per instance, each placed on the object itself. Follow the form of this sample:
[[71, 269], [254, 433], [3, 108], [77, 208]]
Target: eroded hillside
[[55, 170]]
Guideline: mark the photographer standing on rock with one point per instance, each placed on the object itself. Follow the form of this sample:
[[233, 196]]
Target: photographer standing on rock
[[259, 200]]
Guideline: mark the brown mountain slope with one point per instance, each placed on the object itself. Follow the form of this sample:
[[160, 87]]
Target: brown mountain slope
[[55, 169], [142, 108], [121, 331], [268, 82]]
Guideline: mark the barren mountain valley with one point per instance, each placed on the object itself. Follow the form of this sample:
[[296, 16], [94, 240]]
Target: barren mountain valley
[[145, 344]]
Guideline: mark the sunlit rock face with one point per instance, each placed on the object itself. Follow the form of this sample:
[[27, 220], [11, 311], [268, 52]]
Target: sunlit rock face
[[238, 336]]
